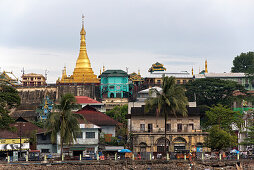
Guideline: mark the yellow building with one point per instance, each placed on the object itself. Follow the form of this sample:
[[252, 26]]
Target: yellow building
[[33, 79], [83, 72]]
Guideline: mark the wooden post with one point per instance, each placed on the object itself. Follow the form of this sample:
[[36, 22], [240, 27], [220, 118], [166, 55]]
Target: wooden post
[[62, 157], [115, 156], [8, 159], [26, 157], [167, 156], [237, 156], [80, 158], [220, 156], [185, 156]]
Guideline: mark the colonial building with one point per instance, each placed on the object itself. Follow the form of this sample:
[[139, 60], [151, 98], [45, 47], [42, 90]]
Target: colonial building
[[147, 129], [33, 79], [114, 84]]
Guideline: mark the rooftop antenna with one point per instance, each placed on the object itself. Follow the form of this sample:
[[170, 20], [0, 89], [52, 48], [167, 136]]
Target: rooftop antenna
[[46, 74], [23, 71]]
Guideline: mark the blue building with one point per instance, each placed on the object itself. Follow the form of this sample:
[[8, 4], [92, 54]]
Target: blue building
[[114, 84]]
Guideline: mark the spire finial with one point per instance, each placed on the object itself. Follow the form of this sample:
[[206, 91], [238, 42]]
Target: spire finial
[[206, 70], [192, 71], [103, 68], [83, 18]]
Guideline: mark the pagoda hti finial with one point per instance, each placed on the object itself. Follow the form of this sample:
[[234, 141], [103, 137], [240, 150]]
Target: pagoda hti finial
[[103, 68], [83, 18], [206, 70], [100, 71], [192, 71]]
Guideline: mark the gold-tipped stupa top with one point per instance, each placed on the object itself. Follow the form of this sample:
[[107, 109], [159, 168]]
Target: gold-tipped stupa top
[[83, 72]]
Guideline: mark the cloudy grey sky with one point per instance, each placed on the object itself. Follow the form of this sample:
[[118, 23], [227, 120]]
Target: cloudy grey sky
[[181, 34]]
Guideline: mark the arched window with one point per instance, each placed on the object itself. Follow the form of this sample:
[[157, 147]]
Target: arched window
[[179, 144], [161, 145]]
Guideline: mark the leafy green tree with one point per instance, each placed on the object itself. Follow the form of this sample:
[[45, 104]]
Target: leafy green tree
[[219, 139], [212, 91], [220, 120], [119, 114], [170, 101], [244, 63], [224, 117], [64, 122], [9, 99]]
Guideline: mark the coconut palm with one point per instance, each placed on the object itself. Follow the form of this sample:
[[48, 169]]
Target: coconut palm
[[64, 122], [170, 100]]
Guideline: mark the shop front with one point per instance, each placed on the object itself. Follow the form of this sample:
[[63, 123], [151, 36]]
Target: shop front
[[11, 147]]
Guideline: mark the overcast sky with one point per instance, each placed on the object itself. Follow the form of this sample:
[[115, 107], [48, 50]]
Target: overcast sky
[[181, 34]]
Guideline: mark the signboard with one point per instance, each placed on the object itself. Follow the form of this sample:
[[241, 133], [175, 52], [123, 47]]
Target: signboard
[[6, 147], [14, 141]]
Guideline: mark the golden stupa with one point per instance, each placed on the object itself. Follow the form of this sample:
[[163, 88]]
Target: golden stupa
[[83, 72]]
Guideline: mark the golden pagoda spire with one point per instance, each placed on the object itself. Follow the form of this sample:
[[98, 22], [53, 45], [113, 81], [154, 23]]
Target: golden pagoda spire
[[103, 68], [192, 71], [138, 72], [100, 71], [206, 70], [83, 72]]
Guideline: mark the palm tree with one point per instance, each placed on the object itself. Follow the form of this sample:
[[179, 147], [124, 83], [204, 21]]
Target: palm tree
[[171, 100], [64, 122]]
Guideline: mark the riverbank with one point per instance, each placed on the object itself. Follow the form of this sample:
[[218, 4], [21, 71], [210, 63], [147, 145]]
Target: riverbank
[[130, 165]]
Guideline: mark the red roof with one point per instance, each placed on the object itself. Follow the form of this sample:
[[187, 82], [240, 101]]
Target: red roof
[[96, 117], [86, 100], [5, 134], [27, 128]]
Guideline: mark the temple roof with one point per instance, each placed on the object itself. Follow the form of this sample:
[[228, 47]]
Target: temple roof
[[135, 77], [157, 67]]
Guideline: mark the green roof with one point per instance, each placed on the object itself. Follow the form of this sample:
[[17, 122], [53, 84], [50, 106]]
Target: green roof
[[114, 73]]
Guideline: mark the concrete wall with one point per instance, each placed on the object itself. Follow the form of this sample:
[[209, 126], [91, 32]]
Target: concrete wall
[[108, 130]]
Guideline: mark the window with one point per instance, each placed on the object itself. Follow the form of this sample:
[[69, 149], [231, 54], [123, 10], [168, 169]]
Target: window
[[44, 150], [158, 81], [179, 127], [184, 82], [168, 127], [79, 135], [90, 134], [38, 78], [191, 126], [44, 137], [142, 127], [178, 81], [150, 127], [111, 87]]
